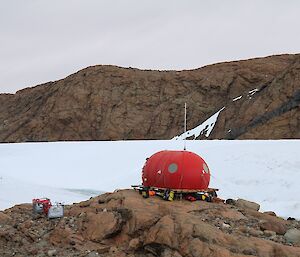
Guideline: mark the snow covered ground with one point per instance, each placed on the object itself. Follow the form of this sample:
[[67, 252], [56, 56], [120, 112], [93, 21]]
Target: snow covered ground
[[14, 191], [267, 172]]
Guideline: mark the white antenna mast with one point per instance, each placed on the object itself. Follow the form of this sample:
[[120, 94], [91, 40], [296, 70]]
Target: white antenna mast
[[184, 126]]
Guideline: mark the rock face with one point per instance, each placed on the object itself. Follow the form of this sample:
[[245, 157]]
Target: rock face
[[125, 224], [261, 97]]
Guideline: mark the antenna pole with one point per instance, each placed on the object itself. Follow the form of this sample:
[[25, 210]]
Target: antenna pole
[[184, 126]]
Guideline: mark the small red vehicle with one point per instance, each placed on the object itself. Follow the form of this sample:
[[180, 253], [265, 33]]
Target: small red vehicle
[[41, 205]]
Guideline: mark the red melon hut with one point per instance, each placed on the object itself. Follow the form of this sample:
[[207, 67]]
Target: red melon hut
[[176, 170]]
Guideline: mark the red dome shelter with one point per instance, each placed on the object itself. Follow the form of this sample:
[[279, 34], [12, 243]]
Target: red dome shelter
[[181, 170]]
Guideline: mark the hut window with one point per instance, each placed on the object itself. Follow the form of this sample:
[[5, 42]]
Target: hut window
[[205, 168], [172, 167]]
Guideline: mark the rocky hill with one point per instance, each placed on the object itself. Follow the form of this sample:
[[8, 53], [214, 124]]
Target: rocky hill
[[261, 97], [124, 224]]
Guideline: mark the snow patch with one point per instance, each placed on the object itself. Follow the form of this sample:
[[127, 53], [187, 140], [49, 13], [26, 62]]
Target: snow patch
[[237, 98], [252, 92], [203, 129]]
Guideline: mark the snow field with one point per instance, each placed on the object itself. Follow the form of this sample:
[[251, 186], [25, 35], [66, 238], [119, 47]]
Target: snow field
[[264, 171]]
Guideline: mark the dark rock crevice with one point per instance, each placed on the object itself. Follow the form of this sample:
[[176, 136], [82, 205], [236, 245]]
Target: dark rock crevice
[[289, 105]]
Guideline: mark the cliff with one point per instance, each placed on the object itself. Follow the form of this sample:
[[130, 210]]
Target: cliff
[[261, 97]]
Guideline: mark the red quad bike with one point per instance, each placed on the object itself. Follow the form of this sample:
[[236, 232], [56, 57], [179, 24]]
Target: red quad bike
[[41, 206], [45, 207]]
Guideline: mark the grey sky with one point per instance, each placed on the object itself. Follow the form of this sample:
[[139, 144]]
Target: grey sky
[[43, 40]]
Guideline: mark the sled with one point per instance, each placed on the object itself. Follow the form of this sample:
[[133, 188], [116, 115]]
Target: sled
[[209, 194]]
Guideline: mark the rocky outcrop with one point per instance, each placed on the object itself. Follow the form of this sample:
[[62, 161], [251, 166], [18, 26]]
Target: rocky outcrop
[[273, 106], [112, 103], [247, 204], [292, 236], [126, 224]]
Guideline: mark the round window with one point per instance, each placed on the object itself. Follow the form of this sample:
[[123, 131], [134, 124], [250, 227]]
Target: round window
[[205, 168], [173, 167]]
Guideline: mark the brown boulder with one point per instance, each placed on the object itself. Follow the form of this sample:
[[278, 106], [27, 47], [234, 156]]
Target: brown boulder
[[255, 232], [199, 248], [271, 213], [170, 253], [60, 236], [293, 236], [247, 204], [277, 227], [163, 232], [4, 218], [134, 244], [97, 227], [269, 233], [232, 214]]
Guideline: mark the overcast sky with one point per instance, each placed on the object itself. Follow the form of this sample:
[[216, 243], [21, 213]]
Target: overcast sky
[[42, 40]]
